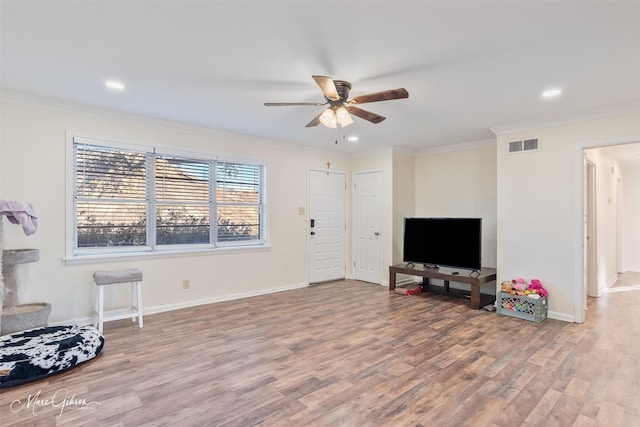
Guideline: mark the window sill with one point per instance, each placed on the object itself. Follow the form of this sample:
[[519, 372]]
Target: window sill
[[169, 253]]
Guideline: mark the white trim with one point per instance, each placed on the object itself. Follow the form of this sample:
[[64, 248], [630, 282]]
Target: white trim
[[385, 151], [471, 145], [596, 113], [139, 120], [619, 222], [578, 250], [146, 146], [194, 303], [561, 316], [75, 255], [69, 214], [129, 256], [404, 151]]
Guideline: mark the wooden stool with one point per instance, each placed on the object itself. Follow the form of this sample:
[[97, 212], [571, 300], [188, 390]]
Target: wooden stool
[[102, 278]]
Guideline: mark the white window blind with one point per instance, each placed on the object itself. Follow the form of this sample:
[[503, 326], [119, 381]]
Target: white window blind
[[148, 200], [239, 195], [183, 201], [110, 197]]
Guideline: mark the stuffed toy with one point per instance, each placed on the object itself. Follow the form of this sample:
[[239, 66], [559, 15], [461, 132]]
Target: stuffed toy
[[536, 288], [520, 287], [507, 286]]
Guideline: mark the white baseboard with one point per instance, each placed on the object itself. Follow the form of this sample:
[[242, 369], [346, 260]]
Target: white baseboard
[[194, 303], [186, 304], [561, 316]]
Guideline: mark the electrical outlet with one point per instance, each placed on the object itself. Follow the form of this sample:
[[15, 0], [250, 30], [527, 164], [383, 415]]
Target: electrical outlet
[[186, 284]]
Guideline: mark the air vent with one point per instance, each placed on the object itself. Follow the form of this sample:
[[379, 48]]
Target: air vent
[[515, 146], [524, 145]]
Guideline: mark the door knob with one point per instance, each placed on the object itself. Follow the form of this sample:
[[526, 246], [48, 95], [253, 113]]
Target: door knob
[[376, 233]]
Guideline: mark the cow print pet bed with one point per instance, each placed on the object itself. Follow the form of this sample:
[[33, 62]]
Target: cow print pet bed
[[40, 352]]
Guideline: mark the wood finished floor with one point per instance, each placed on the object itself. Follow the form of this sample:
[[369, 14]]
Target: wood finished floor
[[351, 354]]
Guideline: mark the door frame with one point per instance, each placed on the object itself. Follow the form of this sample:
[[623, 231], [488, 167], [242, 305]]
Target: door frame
[[307, 217], [591, 229], [579, 303], [354, 221], [619, 223]]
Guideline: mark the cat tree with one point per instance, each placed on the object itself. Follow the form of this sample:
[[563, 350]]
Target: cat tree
[[16, 317], [29, 349]]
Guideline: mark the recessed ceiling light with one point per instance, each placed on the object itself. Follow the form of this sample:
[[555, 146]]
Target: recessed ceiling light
[[112, 84], [550, 93], [352, 138]]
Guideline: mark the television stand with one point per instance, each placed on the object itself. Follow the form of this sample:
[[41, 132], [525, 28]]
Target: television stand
[[474, 278]]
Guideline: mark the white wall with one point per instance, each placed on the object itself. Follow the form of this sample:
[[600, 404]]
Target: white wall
[[32, 141], [528, 202], [403, 199], [460, 183], [631, 218], [539, 206]]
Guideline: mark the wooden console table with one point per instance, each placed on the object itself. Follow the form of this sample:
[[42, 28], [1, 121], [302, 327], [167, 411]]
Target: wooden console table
[[476, 279]]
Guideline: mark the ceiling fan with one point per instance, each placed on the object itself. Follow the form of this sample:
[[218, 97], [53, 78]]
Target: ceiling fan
[[336, 94]]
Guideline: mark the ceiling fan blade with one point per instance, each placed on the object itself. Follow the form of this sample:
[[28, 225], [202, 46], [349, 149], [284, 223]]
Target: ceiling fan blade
[[287, 104], [364, 114], [314, 122], [328, 87], [386, 95]]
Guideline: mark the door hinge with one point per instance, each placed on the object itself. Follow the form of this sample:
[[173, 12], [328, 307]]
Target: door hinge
[[354, 263]]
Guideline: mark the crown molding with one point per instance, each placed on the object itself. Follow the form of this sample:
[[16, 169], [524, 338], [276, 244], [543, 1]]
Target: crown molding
[[385, 151], [403, 151], [596, 113], [21, 98], [463, 146]]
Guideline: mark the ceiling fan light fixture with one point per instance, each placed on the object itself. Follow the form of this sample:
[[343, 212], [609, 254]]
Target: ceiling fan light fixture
[[341, 107], [343, 116], [328, 118]]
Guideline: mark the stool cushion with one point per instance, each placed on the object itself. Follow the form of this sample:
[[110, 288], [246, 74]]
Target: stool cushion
[[40, 352], [119, 276]]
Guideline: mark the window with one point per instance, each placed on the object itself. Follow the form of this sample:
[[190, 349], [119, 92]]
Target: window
[[128, 200], [238, 193]]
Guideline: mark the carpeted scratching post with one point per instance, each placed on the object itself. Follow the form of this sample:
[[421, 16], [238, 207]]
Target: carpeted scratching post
[[16, 317], [19, 317]]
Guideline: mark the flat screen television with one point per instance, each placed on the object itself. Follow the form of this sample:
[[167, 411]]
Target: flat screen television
[[447, 242]]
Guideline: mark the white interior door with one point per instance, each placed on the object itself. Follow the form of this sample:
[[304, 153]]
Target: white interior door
[[619, 225], [591, 260], [367, 197], [327, 226]]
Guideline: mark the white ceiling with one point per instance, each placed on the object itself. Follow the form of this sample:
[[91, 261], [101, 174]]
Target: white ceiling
[[468, 66]]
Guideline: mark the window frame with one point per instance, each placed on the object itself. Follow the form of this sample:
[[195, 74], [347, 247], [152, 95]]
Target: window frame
[[75, 254]]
